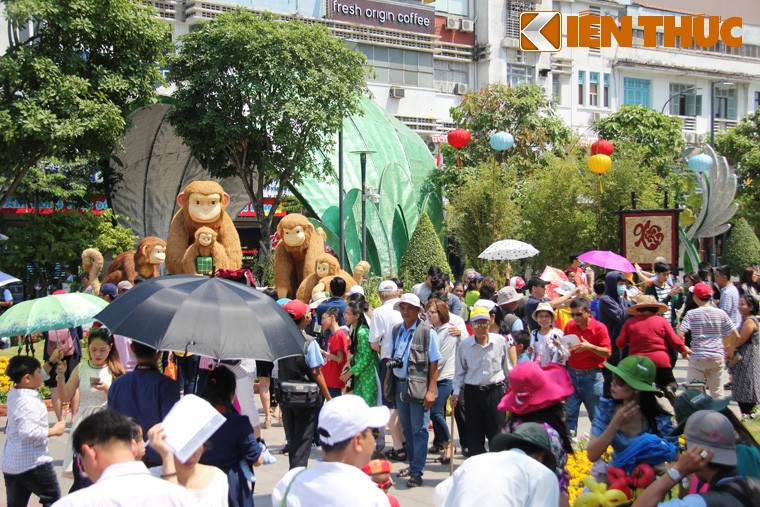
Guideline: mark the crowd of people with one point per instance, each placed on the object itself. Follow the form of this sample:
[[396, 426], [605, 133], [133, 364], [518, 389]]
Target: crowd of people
[[512, 365]]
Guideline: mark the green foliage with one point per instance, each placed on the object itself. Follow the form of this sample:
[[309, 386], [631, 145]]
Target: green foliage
[[52, 182], [741, 146], [257, 96], [742, 249], [65, 93], [60, 237], [424, 250], [483, 210], [523, 110], [658, 133], [370, 285]]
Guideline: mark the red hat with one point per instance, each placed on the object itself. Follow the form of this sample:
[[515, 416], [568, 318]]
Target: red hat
[[533, 387], [702, 290], [296, 308]]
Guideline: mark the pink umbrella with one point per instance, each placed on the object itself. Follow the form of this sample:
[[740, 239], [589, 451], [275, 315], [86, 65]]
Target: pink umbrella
[[608, 260]]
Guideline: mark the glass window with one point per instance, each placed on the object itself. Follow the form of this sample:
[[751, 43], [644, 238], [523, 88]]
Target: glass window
[[581, 87], [514, 8], [725, 103], [606, 90], [458, 7], [451, 72], [757, 100], [557, 89], [518, 74], [684, 100], [400, 66], [636, 91], [396, 58], [593, 89]]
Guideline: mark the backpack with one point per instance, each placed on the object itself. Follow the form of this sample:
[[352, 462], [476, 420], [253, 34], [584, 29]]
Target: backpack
[[733, 491]]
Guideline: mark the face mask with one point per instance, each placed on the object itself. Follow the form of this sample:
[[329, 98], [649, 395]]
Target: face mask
[[583, 264], [621, 290]]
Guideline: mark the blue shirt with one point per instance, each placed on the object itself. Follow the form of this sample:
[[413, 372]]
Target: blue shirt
[[604, 412], [402, 346], [595, 308], [145, 394], [523, 357], [333, 302]]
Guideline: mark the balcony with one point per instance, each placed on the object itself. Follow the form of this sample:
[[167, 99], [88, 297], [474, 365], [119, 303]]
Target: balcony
[[723, 124]]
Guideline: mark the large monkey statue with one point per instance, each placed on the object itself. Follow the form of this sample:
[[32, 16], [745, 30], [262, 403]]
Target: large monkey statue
[[327, 267], [204, 252], [92, 264], [296, 254], [150, 253], [202, 204]]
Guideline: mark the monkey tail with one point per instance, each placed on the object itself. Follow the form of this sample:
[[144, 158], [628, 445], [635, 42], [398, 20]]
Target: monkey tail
[[92, 263], [321, 233], [362, 268]]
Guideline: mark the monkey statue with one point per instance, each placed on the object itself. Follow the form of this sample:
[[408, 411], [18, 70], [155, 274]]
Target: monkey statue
[[204, 254]]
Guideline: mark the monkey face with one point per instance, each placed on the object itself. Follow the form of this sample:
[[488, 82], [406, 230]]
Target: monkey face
[[295, 236], [205, 239], [205, 208], [157, 254], [323, 269]]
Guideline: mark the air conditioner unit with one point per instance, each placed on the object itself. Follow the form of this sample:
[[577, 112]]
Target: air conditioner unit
[[593, 118], [452, 23], [396, 93], [468, 25], [460, 89]]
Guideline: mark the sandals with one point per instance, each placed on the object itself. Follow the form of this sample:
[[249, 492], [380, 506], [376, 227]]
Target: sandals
[[396, 454], [414, 481], [404, 472], [435, 448], [267, 423]]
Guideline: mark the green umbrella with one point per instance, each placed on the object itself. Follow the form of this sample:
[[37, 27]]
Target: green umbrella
[[60, 311]]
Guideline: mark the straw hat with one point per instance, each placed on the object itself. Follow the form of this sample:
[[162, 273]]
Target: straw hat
[[647, 302]]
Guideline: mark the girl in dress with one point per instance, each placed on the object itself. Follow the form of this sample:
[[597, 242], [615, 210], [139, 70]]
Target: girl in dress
[[364, 361], [546, 343], [92, 379]]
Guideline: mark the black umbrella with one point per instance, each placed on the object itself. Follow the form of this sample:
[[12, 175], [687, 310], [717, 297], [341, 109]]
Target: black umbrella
[[207, 316]]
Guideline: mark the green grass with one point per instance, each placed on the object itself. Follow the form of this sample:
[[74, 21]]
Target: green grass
[[38, 348], [754, 427]]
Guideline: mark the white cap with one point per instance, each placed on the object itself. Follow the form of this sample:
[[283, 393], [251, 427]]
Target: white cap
[[565, 288], [356, 289], [387, 286], [410, 299], [124, 285], [344, 417]]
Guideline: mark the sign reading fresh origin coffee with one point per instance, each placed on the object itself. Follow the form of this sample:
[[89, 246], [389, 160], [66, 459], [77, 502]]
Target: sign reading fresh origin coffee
[[386, 15]]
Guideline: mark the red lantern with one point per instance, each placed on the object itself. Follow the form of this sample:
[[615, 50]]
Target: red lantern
[[602, 147], [458, 139]]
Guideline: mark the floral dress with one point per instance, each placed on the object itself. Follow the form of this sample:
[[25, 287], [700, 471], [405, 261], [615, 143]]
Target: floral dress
[[364, 367], [747, 371]]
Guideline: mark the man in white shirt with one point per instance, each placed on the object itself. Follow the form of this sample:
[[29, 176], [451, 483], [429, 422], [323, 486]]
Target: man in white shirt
[[104, 442], [347, 429], [517, 473]]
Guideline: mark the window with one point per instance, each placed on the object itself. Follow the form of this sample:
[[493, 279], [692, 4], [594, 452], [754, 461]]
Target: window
[[557, 89], [606, 91], [757, 100], [519, 74], [514, 8], [593, 89], [636, 91], [725, 103], [581, 87], [458, 7], [400, 66], [684, 100], [447, 73]]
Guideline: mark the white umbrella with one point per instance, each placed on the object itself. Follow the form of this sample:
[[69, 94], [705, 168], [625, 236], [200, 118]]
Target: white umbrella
[[508, 250], [5, 279]]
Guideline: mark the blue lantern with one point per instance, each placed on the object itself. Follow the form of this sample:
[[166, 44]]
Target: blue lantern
[[700, 163], [501, 141]]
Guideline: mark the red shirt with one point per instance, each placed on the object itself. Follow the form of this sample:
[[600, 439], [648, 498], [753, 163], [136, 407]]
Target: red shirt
[[596, 334], [332, 369], [649, 336]]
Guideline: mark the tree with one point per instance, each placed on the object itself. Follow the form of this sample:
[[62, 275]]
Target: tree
[[742, 248], [256, 97], [424, 250], [523, 111], [741, 147], [66, 90], [58, 239]]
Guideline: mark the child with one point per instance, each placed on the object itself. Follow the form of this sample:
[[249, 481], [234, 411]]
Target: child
[[379, 471], [26, 463], [545, 341], [522, 344], [599, 291]]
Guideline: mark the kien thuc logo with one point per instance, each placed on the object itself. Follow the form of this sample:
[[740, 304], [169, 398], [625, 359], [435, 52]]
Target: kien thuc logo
[[542, 31]]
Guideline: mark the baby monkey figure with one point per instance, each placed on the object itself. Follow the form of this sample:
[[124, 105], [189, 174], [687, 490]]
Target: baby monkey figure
[[205, 253]]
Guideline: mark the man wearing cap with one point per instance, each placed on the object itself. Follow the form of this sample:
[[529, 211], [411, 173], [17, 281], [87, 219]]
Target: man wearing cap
[[536, 289], [347, 429], [415, 345], [108, 292], [710, 329], [585, 362], [518, 472], [123, 286], [482, 365], [508, 299], [711, 456], [301, 422]]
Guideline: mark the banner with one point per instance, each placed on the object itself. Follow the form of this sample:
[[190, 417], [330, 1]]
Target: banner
[[647, 234]]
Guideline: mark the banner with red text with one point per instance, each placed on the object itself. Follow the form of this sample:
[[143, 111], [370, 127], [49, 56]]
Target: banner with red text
[[647, 234]]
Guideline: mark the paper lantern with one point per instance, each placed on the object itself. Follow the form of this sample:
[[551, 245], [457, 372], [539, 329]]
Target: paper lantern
[[599, 164], [458, 138], [501, 141], [602, 147], [700, 163]]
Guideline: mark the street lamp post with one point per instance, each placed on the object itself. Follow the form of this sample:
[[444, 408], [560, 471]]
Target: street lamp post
[[341, 211], [365, 195]]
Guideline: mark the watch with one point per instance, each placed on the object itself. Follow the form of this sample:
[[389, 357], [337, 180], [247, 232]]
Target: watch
[[675, 475]]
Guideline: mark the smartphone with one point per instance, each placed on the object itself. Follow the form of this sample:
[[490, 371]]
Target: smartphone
[[94, 381]]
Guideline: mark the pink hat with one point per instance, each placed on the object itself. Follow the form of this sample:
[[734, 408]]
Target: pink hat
[[533, 387]]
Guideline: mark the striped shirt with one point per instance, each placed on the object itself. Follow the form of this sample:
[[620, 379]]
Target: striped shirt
[[729, 303], [708, 326], [480, 365], [26, 436]]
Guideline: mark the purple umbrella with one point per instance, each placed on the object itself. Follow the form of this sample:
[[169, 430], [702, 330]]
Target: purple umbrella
[[608, 260]]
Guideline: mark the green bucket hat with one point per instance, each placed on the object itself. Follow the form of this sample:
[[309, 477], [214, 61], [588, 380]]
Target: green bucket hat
[[691, 401], [636, 371]]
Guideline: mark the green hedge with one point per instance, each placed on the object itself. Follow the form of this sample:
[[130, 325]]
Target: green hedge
[[742, 249], [424, 250]]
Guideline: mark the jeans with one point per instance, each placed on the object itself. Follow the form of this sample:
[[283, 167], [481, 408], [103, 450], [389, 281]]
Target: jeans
[[334, 391], [438, 412], [40, 480], [414, 423], [190, 377], [587, 386]]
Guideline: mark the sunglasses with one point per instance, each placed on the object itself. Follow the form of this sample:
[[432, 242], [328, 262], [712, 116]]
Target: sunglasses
[[375, 432], [579, 314], [480, 323]]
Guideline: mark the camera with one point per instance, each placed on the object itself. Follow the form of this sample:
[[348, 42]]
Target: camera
[[394, 363]]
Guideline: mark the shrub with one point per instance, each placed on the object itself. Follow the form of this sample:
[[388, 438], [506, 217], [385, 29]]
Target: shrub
[[424, 250], [742, 248]]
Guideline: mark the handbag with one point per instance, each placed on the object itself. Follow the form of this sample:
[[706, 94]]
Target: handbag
[[389, 386], [297, 394], [735, 359]]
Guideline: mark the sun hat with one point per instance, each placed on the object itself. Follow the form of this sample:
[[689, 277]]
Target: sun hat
[[356, 289], [474, 276], [531, 433], [636, 371], [296, 308], [124, 285], [702, 290], [544, 307], [565, 288], [479, 313], [110, 289], [533, 387], [345, 416], [387, 286], [317, 298], [535, 282], [507, 295], [712, 430], [410, 299], [691, 401], [643, 302], [517, 282]]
